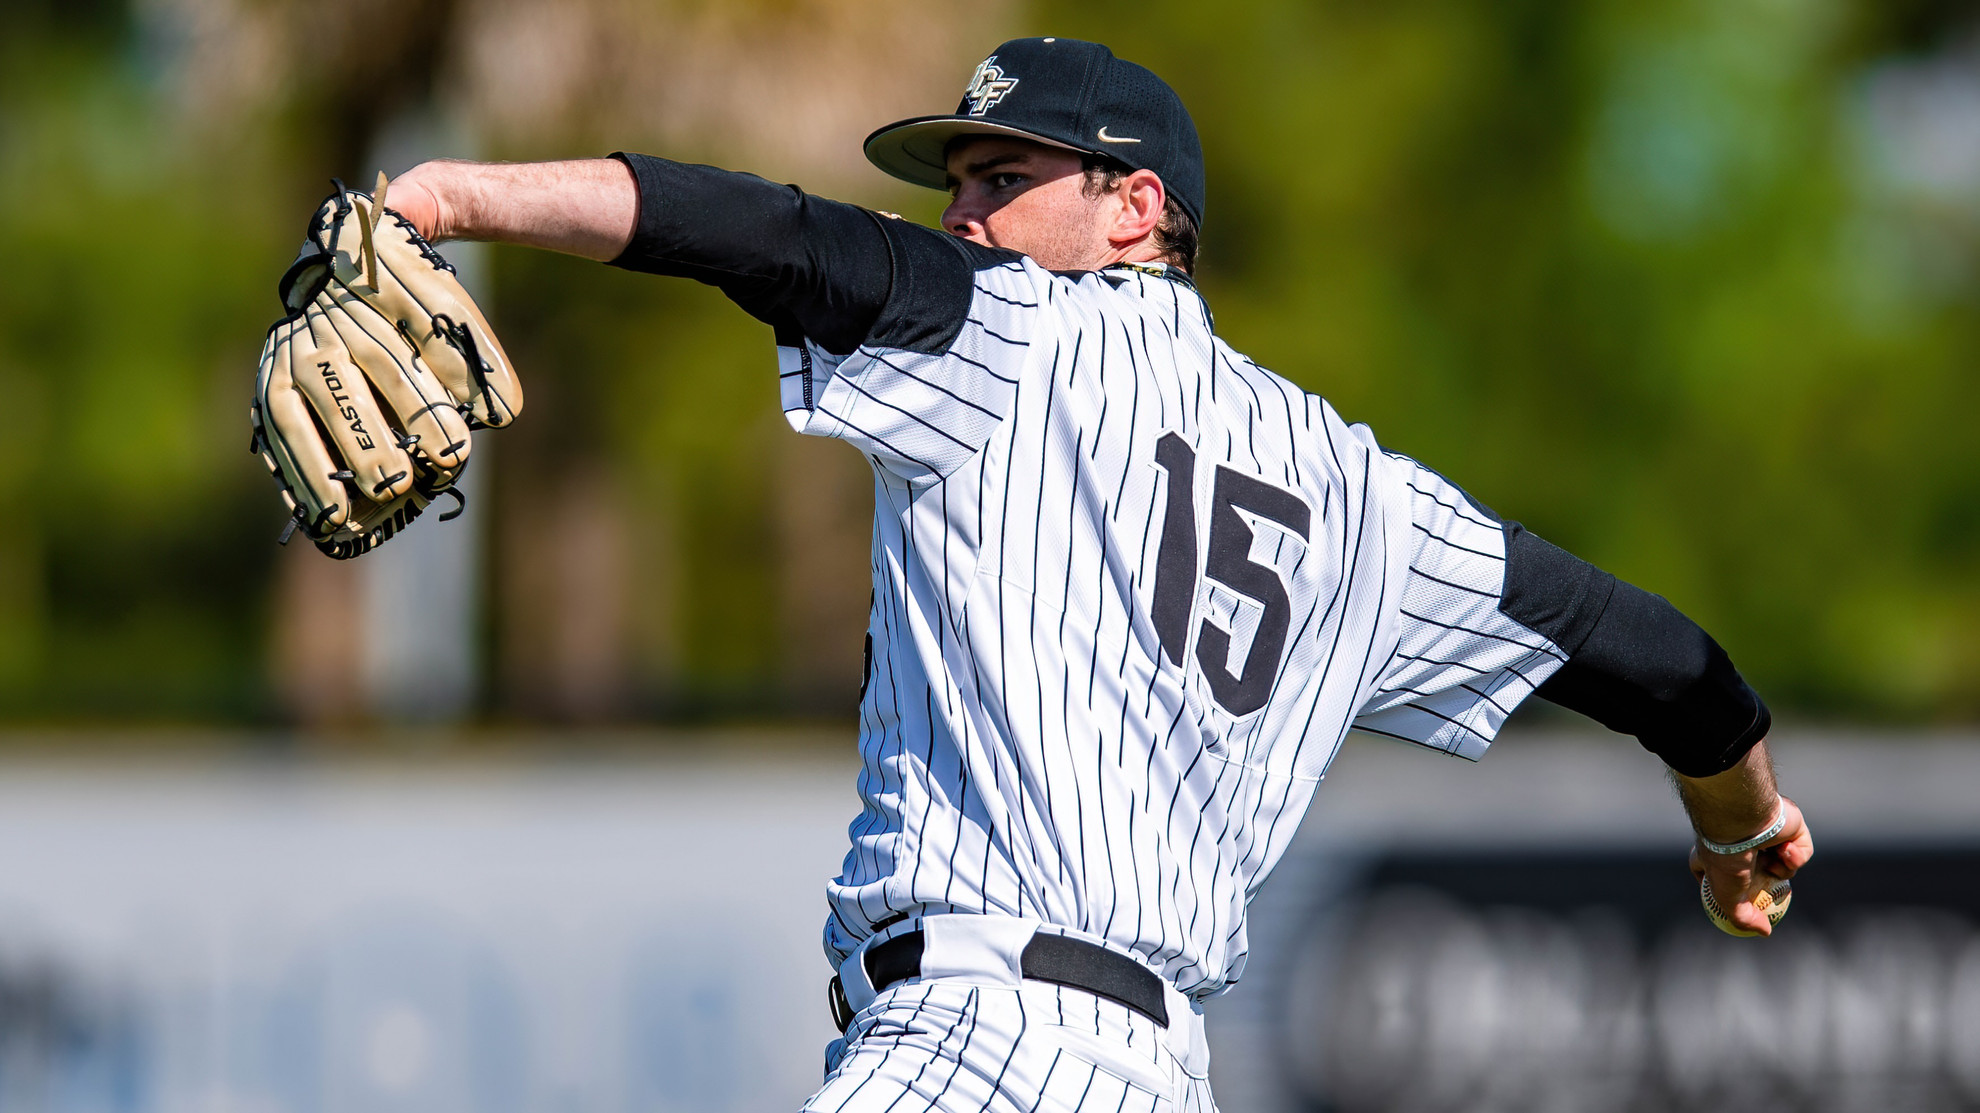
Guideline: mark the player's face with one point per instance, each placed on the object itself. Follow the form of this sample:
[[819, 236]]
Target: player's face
[[1027, 197]]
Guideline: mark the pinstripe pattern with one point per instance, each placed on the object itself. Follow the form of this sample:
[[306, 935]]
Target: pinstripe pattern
[[1034, 1048], [1028, 747]]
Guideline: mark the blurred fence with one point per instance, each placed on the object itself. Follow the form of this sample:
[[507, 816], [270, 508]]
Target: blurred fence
[[607, 935]]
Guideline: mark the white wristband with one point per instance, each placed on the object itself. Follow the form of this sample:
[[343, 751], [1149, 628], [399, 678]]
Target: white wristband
[[1741, 847]]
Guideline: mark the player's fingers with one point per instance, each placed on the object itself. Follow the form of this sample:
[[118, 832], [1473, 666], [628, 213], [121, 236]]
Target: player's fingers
[[1792, 849], [1752, 919], [1760, 878], [1799, 847], [1786, 859], [1734, 891]]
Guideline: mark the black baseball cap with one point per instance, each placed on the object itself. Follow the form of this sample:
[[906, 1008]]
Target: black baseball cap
[[1063, 93]]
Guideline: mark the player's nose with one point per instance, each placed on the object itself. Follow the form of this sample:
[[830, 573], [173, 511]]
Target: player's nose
[[962, 219]]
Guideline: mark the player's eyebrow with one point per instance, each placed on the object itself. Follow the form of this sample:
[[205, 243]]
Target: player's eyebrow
[[990, 163], [994, 161]]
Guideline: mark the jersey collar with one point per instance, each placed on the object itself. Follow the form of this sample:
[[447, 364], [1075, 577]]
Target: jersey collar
[[1159, 270], [1114, 274]]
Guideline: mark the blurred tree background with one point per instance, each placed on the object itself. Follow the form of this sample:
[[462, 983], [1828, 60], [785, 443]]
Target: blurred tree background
[[1688, 286]]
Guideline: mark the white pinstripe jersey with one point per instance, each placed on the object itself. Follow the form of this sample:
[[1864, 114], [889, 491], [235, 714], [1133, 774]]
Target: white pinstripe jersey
[[1131, 590]]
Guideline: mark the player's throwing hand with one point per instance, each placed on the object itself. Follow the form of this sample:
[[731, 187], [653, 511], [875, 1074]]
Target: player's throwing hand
[[1750, 841]]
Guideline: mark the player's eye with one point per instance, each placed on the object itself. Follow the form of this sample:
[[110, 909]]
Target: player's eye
[[1005, 180]]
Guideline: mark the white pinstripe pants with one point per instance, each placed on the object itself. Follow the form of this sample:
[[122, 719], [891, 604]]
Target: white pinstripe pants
[[971, 1036]]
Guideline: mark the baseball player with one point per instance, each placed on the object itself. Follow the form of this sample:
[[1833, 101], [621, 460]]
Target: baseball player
[[1130, 589]]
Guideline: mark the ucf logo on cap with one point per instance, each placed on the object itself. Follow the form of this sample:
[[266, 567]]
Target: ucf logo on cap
[[987, 86]]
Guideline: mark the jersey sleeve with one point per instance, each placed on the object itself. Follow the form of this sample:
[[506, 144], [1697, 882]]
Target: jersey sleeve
[[1460, 665], [921, 405], [904, 341]]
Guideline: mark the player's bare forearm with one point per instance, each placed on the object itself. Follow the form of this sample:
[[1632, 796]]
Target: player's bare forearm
[[582, 207], [1732, 807]]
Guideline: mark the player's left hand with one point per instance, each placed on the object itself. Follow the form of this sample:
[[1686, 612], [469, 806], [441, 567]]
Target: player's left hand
[[1736, 878], [416, 197]]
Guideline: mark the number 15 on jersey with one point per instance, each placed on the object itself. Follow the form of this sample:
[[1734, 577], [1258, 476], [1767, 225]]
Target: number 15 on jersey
[[1227, 564]]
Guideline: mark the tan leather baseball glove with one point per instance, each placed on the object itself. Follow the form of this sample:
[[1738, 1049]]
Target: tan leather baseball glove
[[371, 382]]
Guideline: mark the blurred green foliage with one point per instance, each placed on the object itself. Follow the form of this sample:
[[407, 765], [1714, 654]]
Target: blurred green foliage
[[1625, 269], [669, 386], [131, 581]]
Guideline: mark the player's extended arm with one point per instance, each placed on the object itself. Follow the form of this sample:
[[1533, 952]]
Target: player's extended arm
[[1638, 666], [585, 207], [837, 273]]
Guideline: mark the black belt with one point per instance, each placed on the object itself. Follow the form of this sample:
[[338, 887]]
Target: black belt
[[1058, 959]]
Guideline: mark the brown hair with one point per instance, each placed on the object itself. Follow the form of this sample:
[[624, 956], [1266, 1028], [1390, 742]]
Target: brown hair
[[1176, 236]]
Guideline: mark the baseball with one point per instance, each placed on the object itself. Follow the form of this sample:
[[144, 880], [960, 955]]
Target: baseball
[[1773, 900]]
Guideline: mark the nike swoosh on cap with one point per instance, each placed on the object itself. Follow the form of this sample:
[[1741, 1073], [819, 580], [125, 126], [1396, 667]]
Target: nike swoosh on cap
[[1105, 138]]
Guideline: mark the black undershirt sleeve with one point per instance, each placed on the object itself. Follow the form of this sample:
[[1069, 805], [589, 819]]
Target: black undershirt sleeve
[[836, 273], [1635, 663]]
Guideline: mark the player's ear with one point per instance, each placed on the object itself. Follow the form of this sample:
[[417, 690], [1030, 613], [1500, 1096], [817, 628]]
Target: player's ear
[[1141, 197]]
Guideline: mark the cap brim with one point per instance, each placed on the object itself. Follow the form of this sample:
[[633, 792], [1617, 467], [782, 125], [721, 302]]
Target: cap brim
[[913, 150]]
